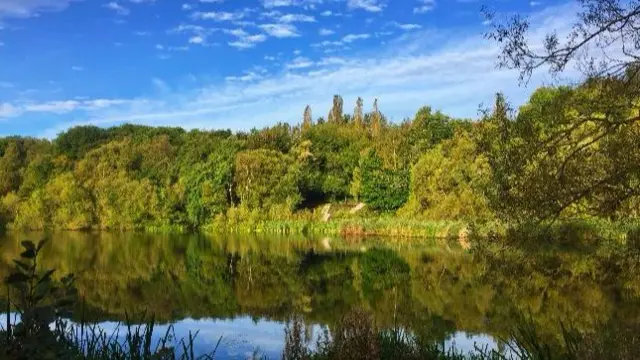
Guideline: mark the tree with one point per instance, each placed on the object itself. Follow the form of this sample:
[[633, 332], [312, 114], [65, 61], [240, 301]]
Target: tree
[[428, 129], [278, 137], [307, 120], [209, 185], [69, 204], [265, 178], [336, 113], [77, 141], [594, 123], [549, 161], [10, 165], [376, 120], [603, 27], [382, 189], [358, 117], [448, 182]]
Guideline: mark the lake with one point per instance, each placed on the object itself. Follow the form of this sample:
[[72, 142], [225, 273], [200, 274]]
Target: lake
[[246, 288]]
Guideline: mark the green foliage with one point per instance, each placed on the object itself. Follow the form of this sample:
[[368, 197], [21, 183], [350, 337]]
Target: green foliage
[[447, 182], [265, 178], [382, 189], [570, 152], [77, 141]]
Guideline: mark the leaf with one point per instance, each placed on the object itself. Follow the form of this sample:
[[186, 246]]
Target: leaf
[[29, 253], [16, 278], [28, 244], [22, 265], [46, 276], [41, 244]]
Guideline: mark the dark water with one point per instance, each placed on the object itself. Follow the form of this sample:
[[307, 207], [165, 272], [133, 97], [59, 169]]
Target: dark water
[[245, 288]]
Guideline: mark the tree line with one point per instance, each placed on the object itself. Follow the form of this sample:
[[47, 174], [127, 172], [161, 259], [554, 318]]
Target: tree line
[[567, 152]]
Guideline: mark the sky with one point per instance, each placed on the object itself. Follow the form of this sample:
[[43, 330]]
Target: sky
[[240, 64]]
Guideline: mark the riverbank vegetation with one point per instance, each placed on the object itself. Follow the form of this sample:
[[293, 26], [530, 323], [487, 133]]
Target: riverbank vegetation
[[542, 164]]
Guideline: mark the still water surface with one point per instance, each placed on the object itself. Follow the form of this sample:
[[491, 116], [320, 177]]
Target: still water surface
[[245, 288]]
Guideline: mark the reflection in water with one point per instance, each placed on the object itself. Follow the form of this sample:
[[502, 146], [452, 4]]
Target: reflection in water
[[246, 288]]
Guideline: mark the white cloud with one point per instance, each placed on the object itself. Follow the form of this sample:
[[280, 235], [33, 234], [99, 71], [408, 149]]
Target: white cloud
[[8, 110], [299, 63], [196, 39], [280, 30], [534, 3], [77, 68], [353, 37], [328, 43], [187, 7], [424, 6], [247, 77], [212, 1], [368, 5], [119, 9], [249, 41], [291, 18], [219, 15], [326, 13], [159, 47], [407, 26], [326, 32], [178, 48], [307, 4], [141, 33], [59, 106], [28, 8], [331, 61], [269, 58], [245, 40], [142, 1]]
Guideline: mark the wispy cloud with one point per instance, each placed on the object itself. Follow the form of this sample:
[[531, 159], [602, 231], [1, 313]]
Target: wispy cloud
[[368, 5], [247, 77], [248, 41], [77, 68], [196, 40], [424, 6], [326, 32], [291, 18], [406, 26], [353, 37], [28, 8], [308, 4], [219, 15], [59, 107], [119, 9], [299, 63], [280, 30]]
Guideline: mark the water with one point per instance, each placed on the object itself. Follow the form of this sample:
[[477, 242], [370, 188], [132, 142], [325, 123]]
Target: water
[[245, 288]]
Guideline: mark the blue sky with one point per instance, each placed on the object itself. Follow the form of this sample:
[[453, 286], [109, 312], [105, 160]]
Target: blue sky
[[247, 63]]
